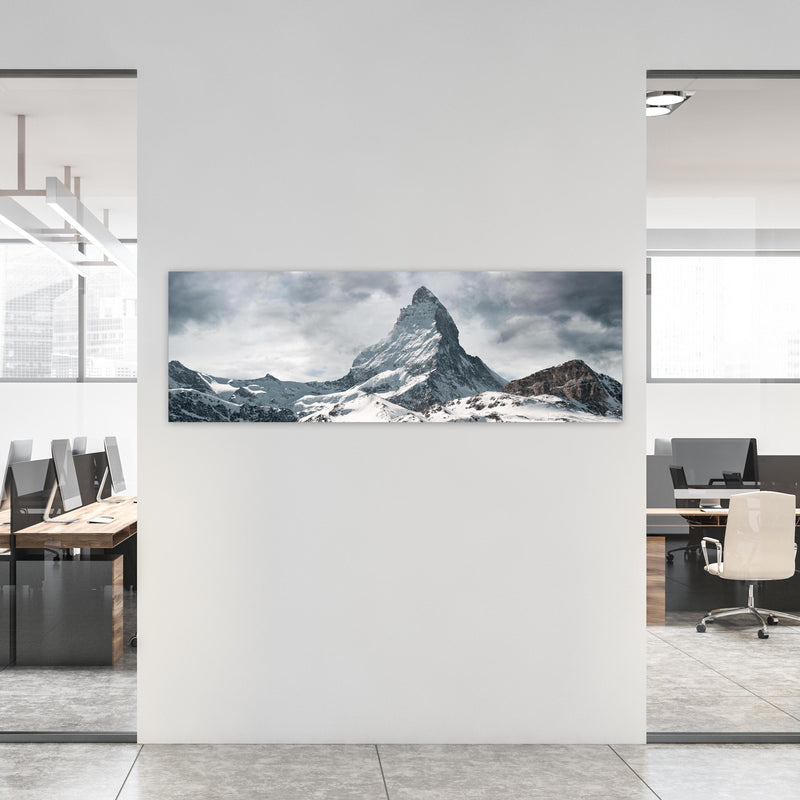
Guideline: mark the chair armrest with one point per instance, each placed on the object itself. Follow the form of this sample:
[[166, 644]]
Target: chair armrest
[[717, 543]]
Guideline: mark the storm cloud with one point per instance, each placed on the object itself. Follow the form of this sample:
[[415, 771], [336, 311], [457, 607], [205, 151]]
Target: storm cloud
[[310, 325]]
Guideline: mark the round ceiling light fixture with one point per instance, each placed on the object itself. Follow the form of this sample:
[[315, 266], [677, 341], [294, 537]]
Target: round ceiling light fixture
[[666, 98], [660, 103]]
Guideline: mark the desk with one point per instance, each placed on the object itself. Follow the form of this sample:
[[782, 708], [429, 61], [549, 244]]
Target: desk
[[83, 533], [76, 616], [656, 547], [5, 529]]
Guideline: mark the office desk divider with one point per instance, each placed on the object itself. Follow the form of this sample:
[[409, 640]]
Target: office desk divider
[[90, 468]]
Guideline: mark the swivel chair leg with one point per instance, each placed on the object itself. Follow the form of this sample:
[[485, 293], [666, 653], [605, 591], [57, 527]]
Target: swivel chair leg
[[765, 616]]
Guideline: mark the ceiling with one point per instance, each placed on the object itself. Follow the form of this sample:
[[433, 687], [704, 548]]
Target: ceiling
[[729, 157], [86, 123]]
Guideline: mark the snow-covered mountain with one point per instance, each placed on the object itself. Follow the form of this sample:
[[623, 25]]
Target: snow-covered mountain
[[421, 361], [573, 380], [418, 373]]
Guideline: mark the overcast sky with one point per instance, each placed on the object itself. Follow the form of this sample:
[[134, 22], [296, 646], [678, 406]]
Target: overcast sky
[[310, 325]]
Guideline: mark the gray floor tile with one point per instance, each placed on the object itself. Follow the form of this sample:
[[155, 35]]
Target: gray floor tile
[[716, 772], [507, 772], [787, 703], [64, 771], [716, 715], [73, 698], [67, 699], [729, 662], [255, 772]]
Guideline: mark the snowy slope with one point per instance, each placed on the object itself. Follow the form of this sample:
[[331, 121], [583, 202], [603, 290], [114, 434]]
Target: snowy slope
[[361, 407], [502, 407]]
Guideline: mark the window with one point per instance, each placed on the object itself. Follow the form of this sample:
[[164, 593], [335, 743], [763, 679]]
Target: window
[[110, 323], [724, 318], [39, 319]]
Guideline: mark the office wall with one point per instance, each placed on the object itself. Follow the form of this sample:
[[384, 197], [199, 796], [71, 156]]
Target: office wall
[[389, 583], [46, 411], [767, 411]]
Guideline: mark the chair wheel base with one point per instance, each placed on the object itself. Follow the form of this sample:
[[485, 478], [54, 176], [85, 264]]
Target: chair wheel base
[[772, 620], [762, 634], [701, 628]]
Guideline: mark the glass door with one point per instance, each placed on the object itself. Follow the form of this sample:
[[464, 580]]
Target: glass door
[[68, 314]]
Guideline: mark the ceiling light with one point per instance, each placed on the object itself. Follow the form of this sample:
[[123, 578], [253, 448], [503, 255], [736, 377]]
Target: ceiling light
[[19, 219], [61, 243], [74, 212], [661, 103], [666, 98]]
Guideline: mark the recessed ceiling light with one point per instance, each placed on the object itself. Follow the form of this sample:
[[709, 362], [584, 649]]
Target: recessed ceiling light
[[666, 98], [660, 103]]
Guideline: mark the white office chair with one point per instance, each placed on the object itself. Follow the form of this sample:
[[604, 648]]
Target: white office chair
[[759, 546]]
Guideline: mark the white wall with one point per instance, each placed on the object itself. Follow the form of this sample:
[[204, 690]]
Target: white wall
[[385, 583], [767, 411], [46, 411]]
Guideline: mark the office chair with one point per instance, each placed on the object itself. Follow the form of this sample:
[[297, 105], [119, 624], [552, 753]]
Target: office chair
[[759, 546], [732, 480], [678, 476]]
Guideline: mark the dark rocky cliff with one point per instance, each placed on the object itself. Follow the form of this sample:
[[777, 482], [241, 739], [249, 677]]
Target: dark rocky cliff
[[575, 380]]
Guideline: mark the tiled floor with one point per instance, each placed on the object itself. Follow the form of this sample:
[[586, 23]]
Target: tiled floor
[[96, 699], [398, 772], [724, 680]]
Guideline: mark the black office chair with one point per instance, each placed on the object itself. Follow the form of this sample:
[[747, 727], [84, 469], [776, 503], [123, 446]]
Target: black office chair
[[692, 547], [733, 480]]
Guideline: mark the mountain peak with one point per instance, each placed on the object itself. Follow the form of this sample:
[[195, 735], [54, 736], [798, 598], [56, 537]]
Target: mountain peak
[[421, 361], [574, 380], [424, 295]]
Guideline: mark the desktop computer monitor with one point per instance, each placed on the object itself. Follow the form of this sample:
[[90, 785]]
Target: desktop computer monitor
[[19, 450], [65, 475], [706, 460], [114, 465]]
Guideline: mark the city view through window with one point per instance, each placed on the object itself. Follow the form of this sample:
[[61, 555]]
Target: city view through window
[[39, 321]]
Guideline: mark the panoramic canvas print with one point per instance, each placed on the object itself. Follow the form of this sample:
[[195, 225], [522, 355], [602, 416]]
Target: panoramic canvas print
[[400, 346]]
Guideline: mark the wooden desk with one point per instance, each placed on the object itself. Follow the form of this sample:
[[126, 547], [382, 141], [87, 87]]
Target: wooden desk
[[5, 529], [83, 533], [717, 516]]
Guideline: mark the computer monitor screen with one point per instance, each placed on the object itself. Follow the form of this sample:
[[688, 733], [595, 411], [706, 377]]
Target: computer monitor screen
[[19, 450], [79, 445], [65, 474], [114, 464], [705, 460]]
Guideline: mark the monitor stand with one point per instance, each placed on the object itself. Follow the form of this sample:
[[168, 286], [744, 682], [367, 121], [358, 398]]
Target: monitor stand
[[100, 491], [49, 508]]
